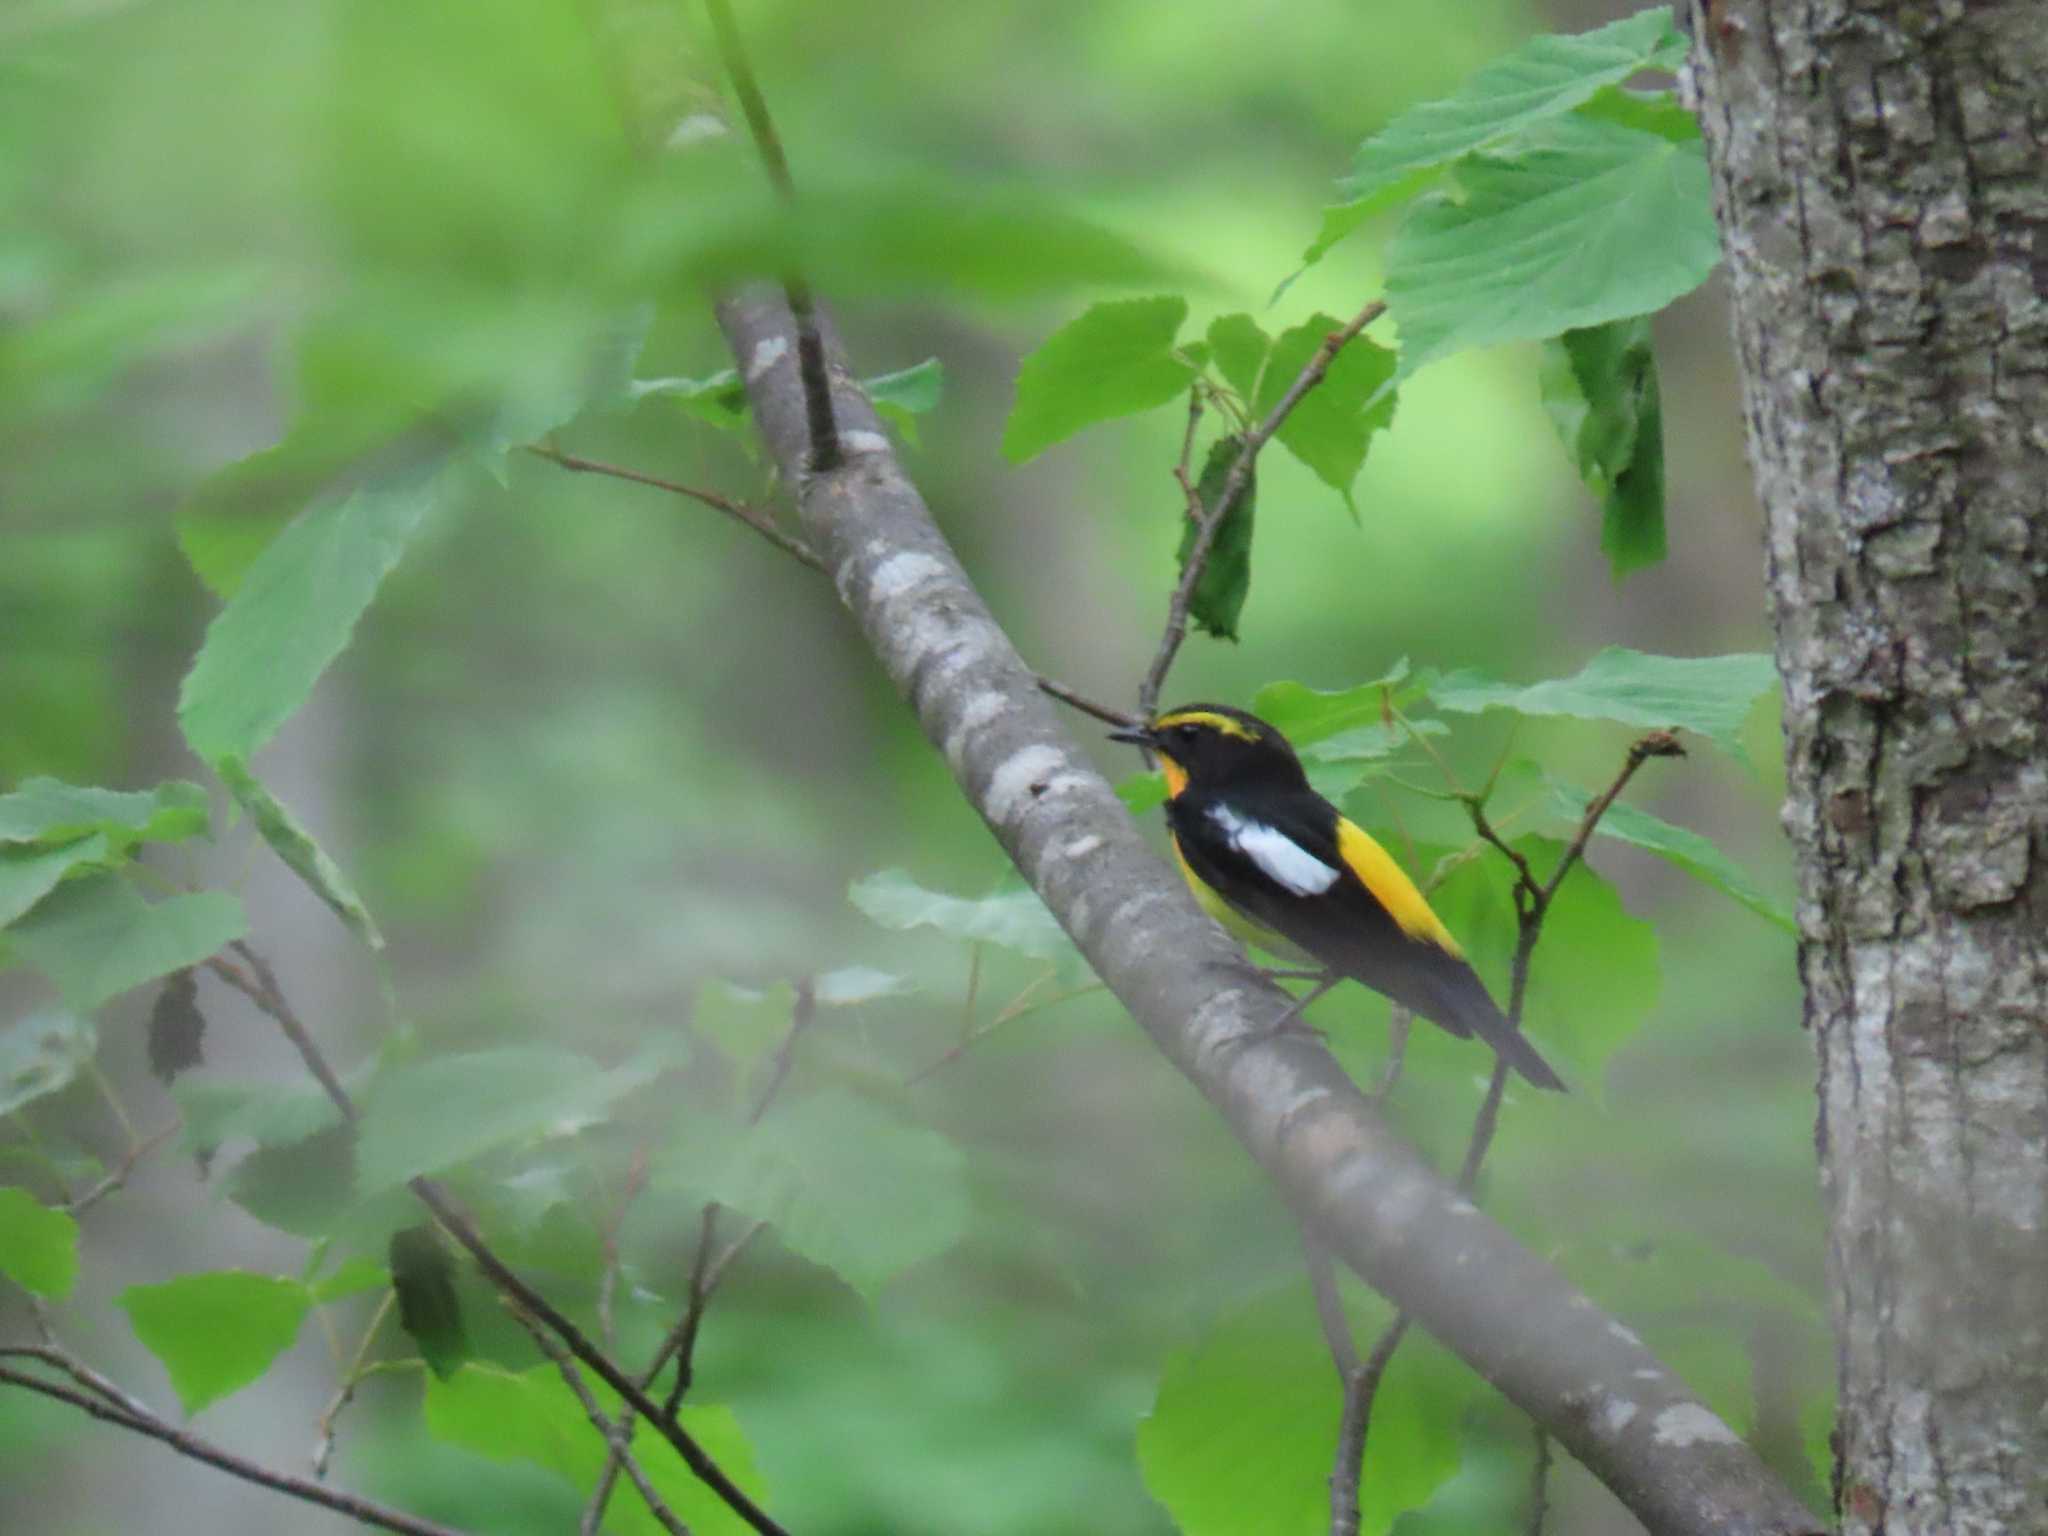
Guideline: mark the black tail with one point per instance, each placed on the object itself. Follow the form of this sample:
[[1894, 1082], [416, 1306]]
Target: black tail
[[1458, 1000]]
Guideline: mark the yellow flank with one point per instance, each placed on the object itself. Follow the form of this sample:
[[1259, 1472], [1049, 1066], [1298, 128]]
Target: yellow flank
[[1391, 887], [1242, 928], [1210, 718]]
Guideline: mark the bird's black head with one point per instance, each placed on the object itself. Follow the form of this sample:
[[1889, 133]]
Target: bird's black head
[[1212, 745]]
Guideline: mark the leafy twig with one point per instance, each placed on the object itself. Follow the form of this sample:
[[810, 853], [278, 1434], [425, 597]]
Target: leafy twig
[[618, 1438], [810, 344], [1532, 905], [754, 517], [111, 1406], [267, 996], [1211, 518]]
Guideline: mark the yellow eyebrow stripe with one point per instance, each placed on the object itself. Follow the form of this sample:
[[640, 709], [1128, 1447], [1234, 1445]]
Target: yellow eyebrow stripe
[[1391, 887], [1210, 718]]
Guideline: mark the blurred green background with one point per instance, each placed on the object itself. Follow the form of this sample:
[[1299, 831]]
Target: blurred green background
[[594, 746]]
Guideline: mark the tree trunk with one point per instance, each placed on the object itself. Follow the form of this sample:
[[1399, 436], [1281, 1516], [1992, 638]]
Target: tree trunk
[[1881, 178]]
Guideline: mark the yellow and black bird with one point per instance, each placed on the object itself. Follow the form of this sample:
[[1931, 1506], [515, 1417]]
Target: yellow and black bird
[[1281, 867]]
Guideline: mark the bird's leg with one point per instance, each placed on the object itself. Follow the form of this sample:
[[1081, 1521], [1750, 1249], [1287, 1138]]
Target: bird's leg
[[1290, 1021]]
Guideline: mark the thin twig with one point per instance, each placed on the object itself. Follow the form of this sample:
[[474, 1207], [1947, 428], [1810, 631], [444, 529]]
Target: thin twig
[[1539, 1483], [810, 345], [1183, 471], [323, 1444], [267, 995], [1532, 905], [1322, 1280], [1107, 714], [1211, 518], [618, 1438], [801, 1013], [754, 517], [123, 1170], [1015, 1009], [185, 1443]]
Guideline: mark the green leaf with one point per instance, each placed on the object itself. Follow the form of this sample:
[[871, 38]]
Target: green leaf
[[294, 613], [270, 1114], [437, 1113], [1239, 348], [46, 811], [1710, 695], [216, 1332], [423, 1275], [1658, 112], [301, 1187], [1226, 578], [96, 937], [30, 871], [352, 1277], [848, 1187], [1600, 388], [38, 1246], [531, 1418], [1684, 849], [1541, 79], [291, 842], [747, 1023], [853, 985], [1307, 715], [1013, 919], [1116, 359], [1592, 222], [1329, 428], [719, 399], [1239, 1436], [901, 397], [41, 1053]]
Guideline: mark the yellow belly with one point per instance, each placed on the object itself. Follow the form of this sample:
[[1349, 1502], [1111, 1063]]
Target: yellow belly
[[1252, 935]]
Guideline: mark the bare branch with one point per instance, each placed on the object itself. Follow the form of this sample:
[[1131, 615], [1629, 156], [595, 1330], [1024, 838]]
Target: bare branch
[[1107, 714], [1209, 519], [185, 1443], [123, 1170]]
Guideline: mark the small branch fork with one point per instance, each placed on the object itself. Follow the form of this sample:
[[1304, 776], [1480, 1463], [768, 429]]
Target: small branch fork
[[1209, 519], [259, 985], [1532, 906]]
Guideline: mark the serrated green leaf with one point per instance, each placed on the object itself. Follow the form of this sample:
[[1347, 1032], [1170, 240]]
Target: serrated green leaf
[[849, 1187], [46, 811], [1658, 112], [1600, 389], [354, 1276], [1239, 1436], [96, 937], [1013, 919], [531, 1418], [301, 1187], [747, 1023], [1226, 578], [1116, 359], [216, 1332], [901, 397], [433, 1114], [41, 1053], [1709, 695], [1330, 428], [301, 854], [423, 1275], [719, 399], [30, 871], [38, 1246], [853, 985], [1239, 348], [294, 613], [1541, 79], [1589, 222], [1307, 715], [1679, 846]]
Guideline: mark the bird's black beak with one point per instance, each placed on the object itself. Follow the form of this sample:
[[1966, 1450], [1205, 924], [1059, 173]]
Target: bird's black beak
[[1135, 735]]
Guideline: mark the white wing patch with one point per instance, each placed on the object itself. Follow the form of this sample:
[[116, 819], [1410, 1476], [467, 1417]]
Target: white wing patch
[[1283, 859]]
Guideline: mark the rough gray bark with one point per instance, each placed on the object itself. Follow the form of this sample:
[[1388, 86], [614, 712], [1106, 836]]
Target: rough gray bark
[[1881, 174], [1367, 1193]]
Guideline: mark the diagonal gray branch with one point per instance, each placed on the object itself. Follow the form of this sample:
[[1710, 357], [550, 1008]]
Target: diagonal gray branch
[[1584, 1377]]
